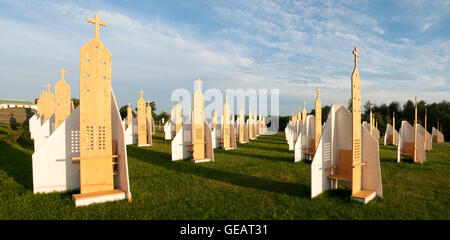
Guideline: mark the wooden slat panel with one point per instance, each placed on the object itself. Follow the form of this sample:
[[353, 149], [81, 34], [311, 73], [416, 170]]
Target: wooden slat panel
[[95, 118]]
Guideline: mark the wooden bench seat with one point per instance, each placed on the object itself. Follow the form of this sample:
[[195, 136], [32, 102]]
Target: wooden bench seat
[[343, 170], [311, 150], [341, 177]]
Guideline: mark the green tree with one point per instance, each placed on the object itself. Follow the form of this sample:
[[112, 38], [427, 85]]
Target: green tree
[[76, 102], [162, 115], [123, 112]]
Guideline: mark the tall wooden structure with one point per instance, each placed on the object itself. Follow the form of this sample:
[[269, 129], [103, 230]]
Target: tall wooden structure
[[39, 105], [425, 132], [250, 124], [87, 152], [304, 113], [318, 118], [241, 125], [198, 128], [96, 153], [371, 120], [415, 129], [393, 128], [178, 117], [62, 100], [214, 119], [356, 127], [142, 121], [129, 115], [172, 114], [226, 125], [357, 192], [260, 123], [48, 105], [150, 118]]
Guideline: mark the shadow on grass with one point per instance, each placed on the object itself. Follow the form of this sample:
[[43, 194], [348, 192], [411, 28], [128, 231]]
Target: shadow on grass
[[163, 159], [3, 131], [256, 156], [17, 164], [157, 137], [265, 148]]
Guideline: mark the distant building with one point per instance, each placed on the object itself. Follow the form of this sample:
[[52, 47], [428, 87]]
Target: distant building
[[16, 103]]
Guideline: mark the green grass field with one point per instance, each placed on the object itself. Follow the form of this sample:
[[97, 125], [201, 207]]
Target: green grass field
[[259, 180]]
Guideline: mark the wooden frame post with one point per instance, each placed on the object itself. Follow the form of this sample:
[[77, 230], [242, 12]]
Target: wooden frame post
[[129, 115], [141, 121], [62, 100], [356, 127], [198, 128], [318, 118], [96, 171], [226, 125], [415, 129], [178, 117], [304, 113], [393, 128]]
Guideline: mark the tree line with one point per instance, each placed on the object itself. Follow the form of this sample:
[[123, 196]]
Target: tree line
[[383, 114]]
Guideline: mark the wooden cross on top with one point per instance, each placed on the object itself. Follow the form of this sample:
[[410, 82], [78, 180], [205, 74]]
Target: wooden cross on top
[[48, 87], [198, 81], [304, 104], [62, 71], [141, 92], [96, 21], [356, 53]]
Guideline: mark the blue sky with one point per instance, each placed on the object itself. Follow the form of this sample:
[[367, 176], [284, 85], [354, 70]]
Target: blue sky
[[294, 46]]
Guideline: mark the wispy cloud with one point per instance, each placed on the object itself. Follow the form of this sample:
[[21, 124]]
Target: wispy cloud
[[292, 46]]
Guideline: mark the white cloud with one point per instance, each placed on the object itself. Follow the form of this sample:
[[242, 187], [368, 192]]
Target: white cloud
[[291, 46]]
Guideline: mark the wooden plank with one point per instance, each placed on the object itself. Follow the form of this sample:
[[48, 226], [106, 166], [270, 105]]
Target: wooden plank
[[198, 128], [356, 126], [97, 194], [95, 116], [62, 100], [142, 120]]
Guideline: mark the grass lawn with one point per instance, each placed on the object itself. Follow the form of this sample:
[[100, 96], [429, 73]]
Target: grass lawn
[[259, 180]]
